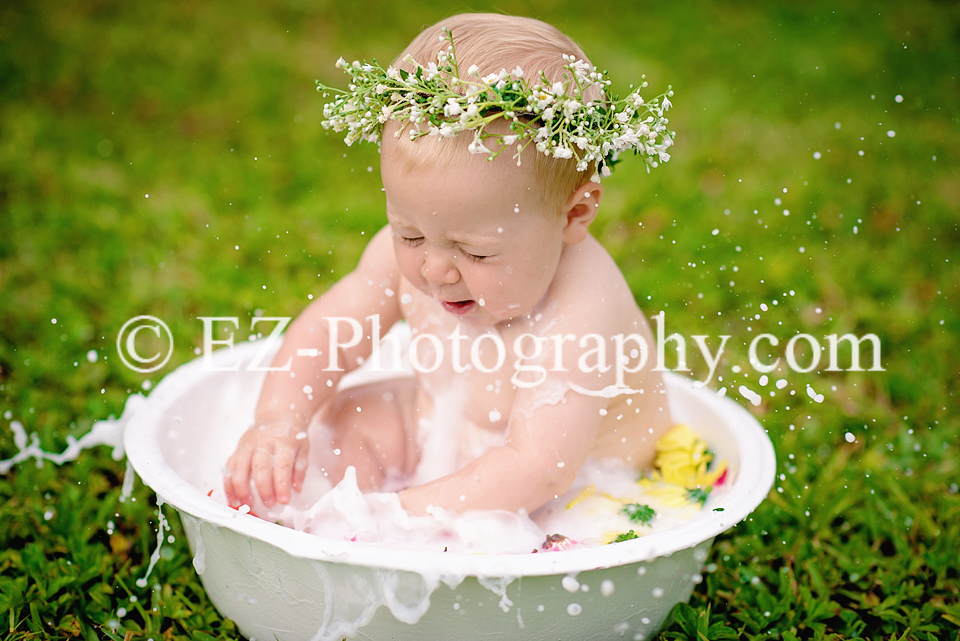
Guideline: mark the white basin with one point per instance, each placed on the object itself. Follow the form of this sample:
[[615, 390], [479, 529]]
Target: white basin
[[276, 582]]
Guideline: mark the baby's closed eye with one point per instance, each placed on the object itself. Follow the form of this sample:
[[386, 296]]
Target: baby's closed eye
[[413, 242]]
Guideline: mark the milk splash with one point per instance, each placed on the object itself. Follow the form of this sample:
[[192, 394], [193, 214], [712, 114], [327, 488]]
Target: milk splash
[[104, 432]]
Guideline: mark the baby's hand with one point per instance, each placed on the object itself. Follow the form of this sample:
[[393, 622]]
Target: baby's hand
[[275, 455]]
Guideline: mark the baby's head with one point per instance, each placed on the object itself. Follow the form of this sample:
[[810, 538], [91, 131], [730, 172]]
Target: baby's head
[[494, 42], [484, 237]]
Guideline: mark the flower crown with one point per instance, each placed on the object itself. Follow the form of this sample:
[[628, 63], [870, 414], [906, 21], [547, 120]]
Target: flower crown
[[438, 101]]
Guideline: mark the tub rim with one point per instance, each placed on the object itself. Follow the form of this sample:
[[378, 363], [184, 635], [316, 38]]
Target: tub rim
[[753, 481]]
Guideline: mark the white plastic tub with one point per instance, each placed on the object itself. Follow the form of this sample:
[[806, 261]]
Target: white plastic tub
[[276, 582]]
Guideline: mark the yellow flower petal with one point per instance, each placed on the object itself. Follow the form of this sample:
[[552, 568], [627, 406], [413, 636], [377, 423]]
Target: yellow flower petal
[[586, 493]]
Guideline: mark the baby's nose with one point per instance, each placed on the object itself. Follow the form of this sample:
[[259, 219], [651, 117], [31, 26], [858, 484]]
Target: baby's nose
[[439, 268]]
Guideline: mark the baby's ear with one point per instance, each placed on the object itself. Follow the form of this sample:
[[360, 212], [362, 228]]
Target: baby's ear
[[580, 211]]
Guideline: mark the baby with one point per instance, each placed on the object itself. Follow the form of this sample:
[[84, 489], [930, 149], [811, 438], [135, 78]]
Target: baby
[[522, 321]]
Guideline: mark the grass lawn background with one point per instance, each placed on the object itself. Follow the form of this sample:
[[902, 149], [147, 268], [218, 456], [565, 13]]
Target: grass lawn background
[[209, 109]]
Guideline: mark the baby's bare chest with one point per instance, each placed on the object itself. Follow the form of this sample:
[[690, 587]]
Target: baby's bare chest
[[449, 356]]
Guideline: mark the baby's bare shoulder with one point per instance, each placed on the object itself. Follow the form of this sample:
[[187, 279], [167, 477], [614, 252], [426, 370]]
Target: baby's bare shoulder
[[590, 292]]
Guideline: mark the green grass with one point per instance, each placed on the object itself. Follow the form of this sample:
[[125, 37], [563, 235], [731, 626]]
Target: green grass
[[209, 108]]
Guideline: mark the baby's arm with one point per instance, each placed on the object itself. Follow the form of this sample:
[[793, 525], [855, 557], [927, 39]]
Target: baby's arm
[[544, 450], [274, 450]]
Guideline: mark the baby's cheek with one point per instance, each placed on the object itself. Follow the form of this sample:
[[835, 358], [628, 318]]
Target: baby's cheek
[[409, 265]]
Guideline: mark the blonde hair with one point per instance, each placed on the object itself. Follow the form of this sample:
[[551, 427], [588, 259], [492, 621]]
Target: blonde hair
[[493, 42]]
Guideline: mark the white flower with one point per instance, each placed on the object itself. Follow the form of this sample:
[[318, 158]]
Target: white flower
[[452, 108], [517, 72], [509, 140], [473, 70], [476, 146], [557, 89]]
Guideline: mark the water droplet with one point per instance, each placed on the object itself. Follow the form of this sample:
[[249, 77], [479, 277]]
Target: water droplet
[[750, 395], [406, 299], [92, 356], [607, 587], [570, 584], [657, 593], [574, 609]]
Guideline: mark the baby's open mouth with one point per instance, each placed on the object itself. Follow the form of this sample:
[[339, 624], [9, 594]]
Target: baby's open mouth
[[459, 307]]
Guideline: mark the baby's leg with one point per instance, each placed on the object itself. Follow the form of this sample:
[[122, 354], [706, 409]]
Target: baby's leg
[[371, 427]]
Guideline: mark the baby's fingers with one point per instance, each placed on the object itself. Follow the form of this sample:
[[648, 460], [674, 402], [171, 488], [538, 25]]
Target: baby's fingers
[[263, 474], [236, 481], [282, 473], [300, 466]]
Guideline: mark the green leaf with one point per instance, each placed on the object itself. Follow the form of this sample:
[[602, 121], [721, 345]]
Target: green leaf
[[686, 618], [638, 513]]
